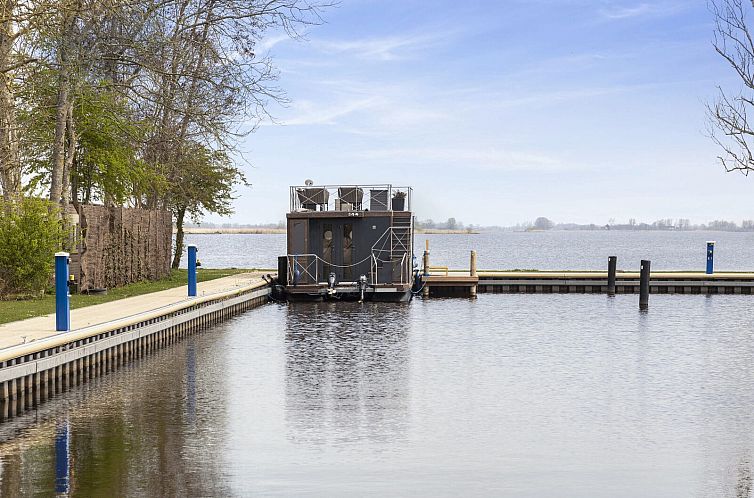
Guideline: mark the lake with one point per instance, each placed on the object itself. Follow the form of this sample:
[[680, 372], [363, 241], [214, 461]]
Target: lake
[[512, 395], [504, 395], [552, 250]]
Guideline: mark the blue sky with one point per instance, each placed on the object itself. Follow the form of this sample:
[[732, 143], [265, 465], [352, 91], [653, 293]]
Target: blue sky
[[501, 111]]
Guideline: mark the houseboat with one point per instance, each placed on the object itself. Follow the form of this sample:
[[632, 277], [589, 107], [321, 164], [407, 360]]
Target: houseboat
[[350, 242]]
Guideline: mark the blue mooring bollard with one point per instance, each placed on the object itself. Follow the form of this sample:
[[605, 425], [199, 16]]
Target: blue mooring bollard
[[62, 297], [192, 270], [710, 256]]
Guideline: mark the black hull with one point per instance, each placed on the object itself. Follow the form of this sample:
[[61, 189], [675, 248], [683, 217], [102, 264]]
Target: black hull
[[369, 296]]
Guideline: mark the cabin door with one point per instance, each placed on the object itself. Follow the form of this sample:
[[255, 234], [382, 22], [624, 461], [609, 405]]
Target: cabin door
[[337, 251]]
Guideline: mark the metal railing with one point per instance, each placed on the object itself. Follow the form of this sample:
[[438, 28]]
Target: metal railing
[[393, 248], [384, 197], [303, 269], [393, 240]]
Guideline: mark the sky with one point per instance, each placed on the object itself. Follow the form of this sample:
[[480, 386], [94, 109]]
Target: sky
[[498, 112]]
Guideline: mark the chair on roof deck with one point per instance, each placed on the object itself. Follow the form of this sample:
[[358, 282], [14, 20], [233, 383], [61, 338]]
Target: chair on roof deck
[[351, 195], [311, 198]]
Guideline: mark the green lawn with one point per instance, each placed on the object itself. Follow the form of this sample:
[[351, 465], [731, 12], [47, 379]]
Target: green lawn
[[11, 311]]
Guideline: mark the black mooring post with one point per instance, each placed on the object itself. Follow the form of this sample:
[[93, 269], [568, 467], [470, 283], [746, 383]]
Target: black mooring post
[[612, 263], [644, 285]]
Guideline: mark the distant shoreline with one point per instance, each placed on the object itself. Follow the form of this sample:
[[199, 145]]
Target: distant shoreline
[[277, 231], [433, 231], [443, 231], [232, 231]]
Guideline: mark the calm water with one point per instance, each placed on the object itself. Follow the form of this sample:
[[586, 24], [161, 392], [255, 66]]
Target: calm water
[[555, 250], [517, 395]]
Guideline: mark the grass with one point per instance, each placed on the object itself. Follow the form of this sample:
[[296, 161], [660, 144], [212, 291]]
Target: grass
[[11, 311]]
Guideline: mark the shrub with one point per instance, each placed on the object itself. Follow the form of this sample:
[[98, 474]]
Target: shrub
[[30, 235]]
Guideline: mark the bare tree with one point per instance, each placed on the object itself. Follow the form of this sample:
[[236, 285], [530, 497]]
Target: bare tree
[[731, 114], [17, 19], [166, 76]]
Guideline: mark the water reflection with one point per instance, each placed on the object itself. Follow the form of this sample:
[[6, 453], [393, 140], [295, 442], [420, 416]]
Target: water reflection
[[347, 372], [727, 356], [191, 380], [538, 395], [62, 458], [129, 433]]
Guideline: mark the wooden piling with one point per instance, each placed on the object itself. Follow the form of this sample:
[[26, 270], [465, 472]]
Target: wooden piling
[[425, 291], [644, 285], [472, 272], [612, 263]]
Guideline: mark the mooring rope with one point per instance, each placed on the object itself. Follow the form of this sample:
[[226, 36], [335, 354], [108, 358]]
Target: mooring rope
[[333, 264]]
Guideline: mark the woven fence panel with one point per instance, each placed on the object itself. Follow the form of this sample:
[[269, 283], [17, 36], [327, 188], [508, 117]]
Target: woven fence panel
[[119, 246]]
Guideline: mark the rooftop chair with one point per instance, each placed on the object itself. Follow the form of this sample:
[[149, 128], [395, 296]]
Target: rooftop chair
[[311, 198], [378, 200], [351, 195]]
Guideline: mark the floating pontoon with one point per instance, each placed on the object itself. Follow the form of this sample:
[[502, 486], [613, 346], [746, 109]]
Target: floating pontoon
[[349, 242]]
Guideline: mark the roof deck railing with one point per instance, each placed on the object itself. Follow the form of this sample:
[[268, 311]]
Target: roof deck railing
[[385, 197]]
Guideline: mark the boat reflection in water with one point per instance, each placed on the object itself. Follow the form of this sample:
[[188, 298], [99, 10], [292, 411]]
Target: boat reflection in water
[[347, 372]]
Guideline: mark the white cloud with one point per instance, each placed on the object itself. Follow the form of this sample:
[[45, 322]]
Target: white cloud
[[267, 44], [309, 113], [368, 108], [641, 10], [490, 159], [384, 48]]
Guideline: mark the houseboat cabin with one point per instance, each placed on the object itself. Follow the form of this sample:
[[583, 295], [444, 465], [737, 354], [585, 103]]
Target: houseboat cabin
[[349, 242]]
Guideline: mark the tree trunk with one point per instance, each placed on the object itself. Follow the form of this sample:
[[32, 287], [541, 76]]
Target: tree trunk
[[10, 165], [178, 237], [69, 157], [58, 146], [61, 109]]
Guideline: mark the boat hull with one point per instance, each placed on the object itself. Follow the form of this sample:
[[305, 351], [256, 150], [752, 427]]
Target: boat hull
[[386, 293]]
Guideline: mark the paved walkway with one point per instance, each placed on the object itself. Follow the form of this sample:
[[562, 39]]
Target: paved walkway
[[15, 333]]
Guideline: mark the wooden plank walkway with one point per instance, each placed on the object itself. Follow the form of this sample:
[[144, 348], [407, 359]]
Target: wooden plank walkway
[[34, 329], [459, 282], [570, 275]]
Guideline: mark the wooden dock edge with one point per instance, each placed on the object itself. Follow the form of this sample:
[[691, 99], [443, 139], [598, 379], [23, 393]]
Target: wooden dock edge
[[626, 283], [460, 284], [33, 372]]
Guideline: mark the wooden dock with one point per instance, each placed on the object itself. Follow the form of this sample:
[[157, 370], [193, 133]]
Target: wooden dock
[[460, 282], [36, 362]]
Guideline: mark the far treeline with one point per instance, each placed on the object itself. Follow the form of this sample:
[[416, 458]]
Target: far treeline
[[136, 103], [684, 224]]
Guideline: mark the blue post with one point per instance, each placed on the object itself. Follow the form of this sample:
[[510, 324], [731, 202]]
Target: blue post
[[62, 297], [192, 270], [710, 256], [62, 458]]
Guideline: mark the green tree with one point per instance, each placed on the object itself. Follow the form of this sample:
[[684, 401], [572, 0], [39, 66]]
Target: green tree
[[31, 234], [204, 184], [543, 223]]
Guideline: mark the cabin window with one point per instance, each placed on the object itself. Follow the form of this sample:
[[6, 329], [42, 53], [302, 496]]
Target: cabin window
[[327, 249], [347, 252]]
